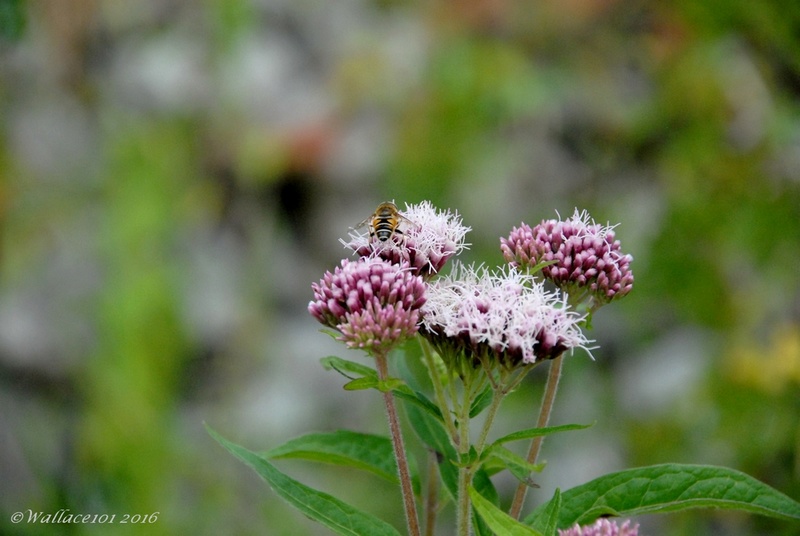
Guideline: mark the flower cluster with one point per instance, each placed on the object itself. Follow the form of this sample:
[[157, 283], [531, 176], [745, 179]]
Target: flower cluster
[[504, 314], [428, 238], [602, 527], [373, 303], [583, 256]]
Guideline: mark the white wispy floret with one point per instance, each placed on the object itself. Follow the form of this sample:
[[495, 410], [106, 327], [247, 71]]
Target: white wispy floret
[[428, 238], [506, 313]]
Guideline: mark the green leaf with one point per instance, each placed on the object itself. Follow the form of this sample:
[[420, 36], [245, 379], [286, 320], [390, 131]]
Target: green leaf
[[516, 464], [412, 390], [348, 369], [404, 392], [390, 384], [368, 452], [481, 402], [668, 488], [363, 377], [431, 432], [498, 521], [332, 333], [338, 516], [360, 384], [551, 512], [484, 485], [401, 391], [536, 432], [541, 265]]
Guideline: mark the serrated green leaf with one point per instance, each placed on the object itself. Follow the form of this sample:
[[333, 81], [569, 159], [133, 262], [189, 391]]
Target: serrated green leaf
[[348, 369], [536, 432], [498, 521], [668, 488], [337, 515], [368, 452]]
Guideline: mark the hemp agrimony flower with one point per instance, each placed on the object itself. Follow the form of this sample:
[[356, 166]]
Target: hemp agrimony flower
[[602, 527], [481, 331], [373, 303], [506, 315], [587, 258], [426, 240]]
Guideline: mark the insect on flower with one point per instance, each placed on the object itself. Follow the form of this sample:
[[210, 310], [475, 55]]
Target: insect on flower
[[384, 222]]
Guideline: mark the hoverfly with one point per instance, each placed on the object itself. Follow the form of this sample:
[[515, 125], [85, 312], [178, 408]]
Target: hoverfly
[[384, 222]]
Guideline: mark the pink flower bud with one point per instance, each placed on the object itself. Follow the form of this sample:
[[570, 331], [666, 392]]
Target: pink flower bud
[[373, 303], [602, 527], [586, 255]]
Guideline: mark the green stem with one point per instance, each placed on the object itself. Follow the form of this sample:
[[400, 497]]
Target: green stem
[[399, 450], [465, 470], [491, 413], [506, 384], [544, 417], [438, 389]]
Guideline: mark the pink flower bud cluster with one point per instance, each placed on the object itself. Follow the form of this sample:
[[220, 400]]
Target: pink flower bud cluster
[[426, 240], [505, 315], [373, 303], [602, 527], [586, 255]]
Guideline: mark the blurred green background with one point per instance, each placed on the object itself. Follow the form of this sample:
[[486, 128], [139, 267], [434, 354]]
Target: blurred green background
[[175, 174]]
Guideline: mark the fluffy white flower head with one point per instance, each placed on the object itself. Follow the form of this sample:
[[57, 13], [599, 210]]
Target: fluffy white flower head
[[505, 313], [426, 239]]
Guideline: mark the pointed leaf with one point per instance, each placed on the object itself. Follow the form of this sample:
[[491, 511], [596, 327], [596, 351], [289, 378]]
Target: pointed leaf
[[498, 521], [390, 384], [551, 514], [348, 369], [364, 377], [484, 485], [516, 464], [361, 384], [431, 431], [412, 390], [541, 265], [368, 452], [332, 333], [404, 392], [481, 402], [536, 432], [338, 516], [668, 488]]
